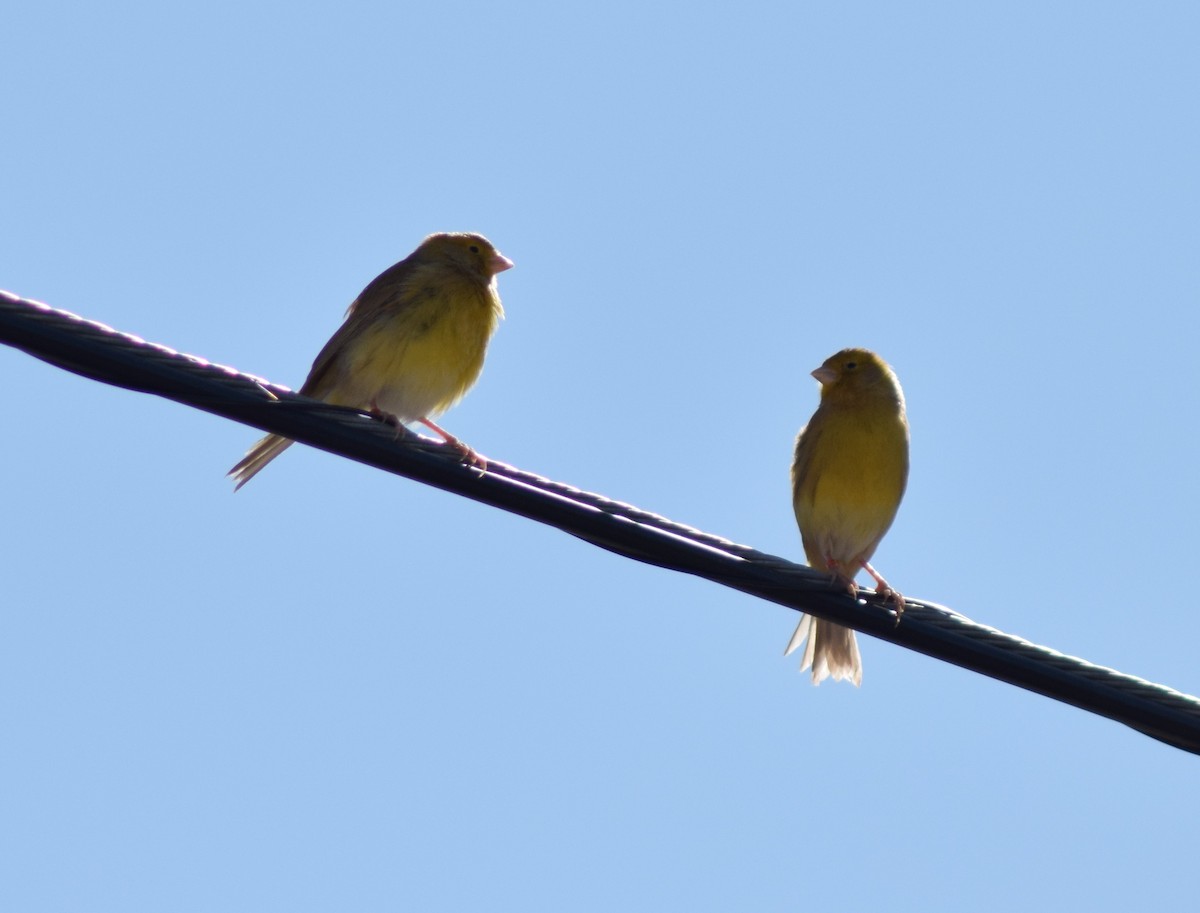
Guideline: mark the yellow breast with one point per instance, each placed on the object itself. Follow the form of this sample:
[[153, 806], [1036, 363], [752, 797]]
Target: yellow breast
[[418, 359], [849, 476]]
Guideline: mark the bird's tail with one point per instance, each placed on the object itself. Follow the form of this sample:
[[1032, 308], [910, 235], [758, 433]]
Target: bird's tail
[[257, 457], [831, 650]]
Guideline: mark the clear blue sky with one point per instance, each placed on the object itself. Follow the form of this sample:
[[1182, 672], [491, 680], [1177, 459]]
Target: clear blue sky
[[339, 690]]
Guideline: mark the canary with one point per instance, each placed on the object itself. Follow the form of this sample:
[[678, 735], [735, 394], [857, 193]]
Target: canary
[[848, 476], [412, 344]]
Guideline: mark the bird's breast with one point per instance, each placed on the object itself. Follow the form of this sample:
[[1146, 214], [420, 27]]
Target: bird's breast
[[853, 483], [420, 360]]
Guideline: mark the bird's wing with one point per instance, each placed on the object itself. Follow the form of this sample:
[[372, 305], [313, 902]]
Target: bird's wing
[[383, 295], [807, 442]]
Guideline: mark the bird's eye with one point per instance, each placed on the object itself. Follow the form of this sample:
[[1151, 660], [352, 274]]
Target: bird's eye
[[474, 248], [851, 365]]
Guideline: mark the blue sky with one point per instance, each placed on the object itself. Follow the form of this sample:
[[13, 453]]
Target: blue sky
[[342, 690]]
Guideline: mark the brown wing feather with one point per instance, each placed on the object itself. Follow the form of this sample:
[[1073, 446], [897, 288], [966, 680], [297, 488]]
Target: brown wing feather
[[806, 446], [384, 292]]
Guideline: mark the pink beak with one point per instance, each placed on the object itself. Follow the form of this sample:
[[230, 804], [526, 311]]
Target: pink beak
[[500, 263], [825, 375]]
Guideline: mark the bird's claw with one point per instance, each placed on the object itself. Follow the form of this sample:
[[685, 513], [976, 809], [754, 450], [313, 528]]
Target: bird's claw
[[887, 594]]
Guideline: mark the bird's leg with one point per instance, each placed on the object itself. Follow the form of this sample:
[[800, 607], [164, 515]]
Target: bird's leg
[[386, 417], [468, 455], [839, 578], [884, 590]]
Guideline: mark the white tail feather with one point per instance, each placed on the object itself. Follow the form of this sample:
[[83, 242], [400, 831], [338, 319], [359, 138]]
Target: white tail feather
[[829, 649], [257, 457]]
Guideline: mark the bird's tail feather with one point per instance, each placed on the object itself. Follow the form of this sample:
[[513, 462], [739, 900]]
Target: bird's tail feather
[[257, 457], [831, 650]]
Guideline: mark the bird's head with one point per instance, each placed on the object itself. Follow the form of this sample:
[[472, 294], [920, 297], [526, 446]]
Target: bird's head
[[853, 373], [469, 252]]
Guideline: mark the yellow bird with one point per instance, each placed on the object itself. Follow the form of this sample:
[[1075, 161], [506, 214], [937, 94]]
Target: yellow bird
[[848, 476], [412, 344]]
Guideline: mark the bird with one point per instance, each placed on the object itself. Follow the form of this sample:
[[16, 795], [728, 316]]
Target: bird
[[412, 343], [848, 476]]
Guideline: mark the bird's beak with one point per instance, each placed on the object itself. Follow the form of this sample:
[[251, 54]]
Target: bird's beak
[[825, 375], [499, 263]]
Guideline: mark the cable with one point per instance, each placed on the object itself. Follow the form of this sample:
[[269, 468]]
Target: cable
[[101, 353]]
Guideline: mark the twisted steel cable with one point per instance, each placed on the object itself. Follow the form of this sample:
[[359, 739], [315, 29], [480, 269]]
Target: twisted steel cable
[[101, 353]]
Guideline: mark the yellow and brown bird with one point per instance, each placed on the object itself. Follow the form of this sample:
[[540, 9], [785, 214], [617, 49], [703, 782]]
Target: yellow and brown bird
[[848, 476], [412, 344]]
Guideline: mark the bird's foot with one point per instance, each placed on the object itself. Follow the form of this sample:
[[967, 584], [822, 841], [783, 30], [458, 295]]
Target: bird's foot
[[841, 580], [884, 591], [465, 452], [387, 418]]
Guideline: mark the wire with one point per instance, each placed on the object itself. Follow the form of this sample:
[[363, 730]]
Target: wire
[[101, 353]]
